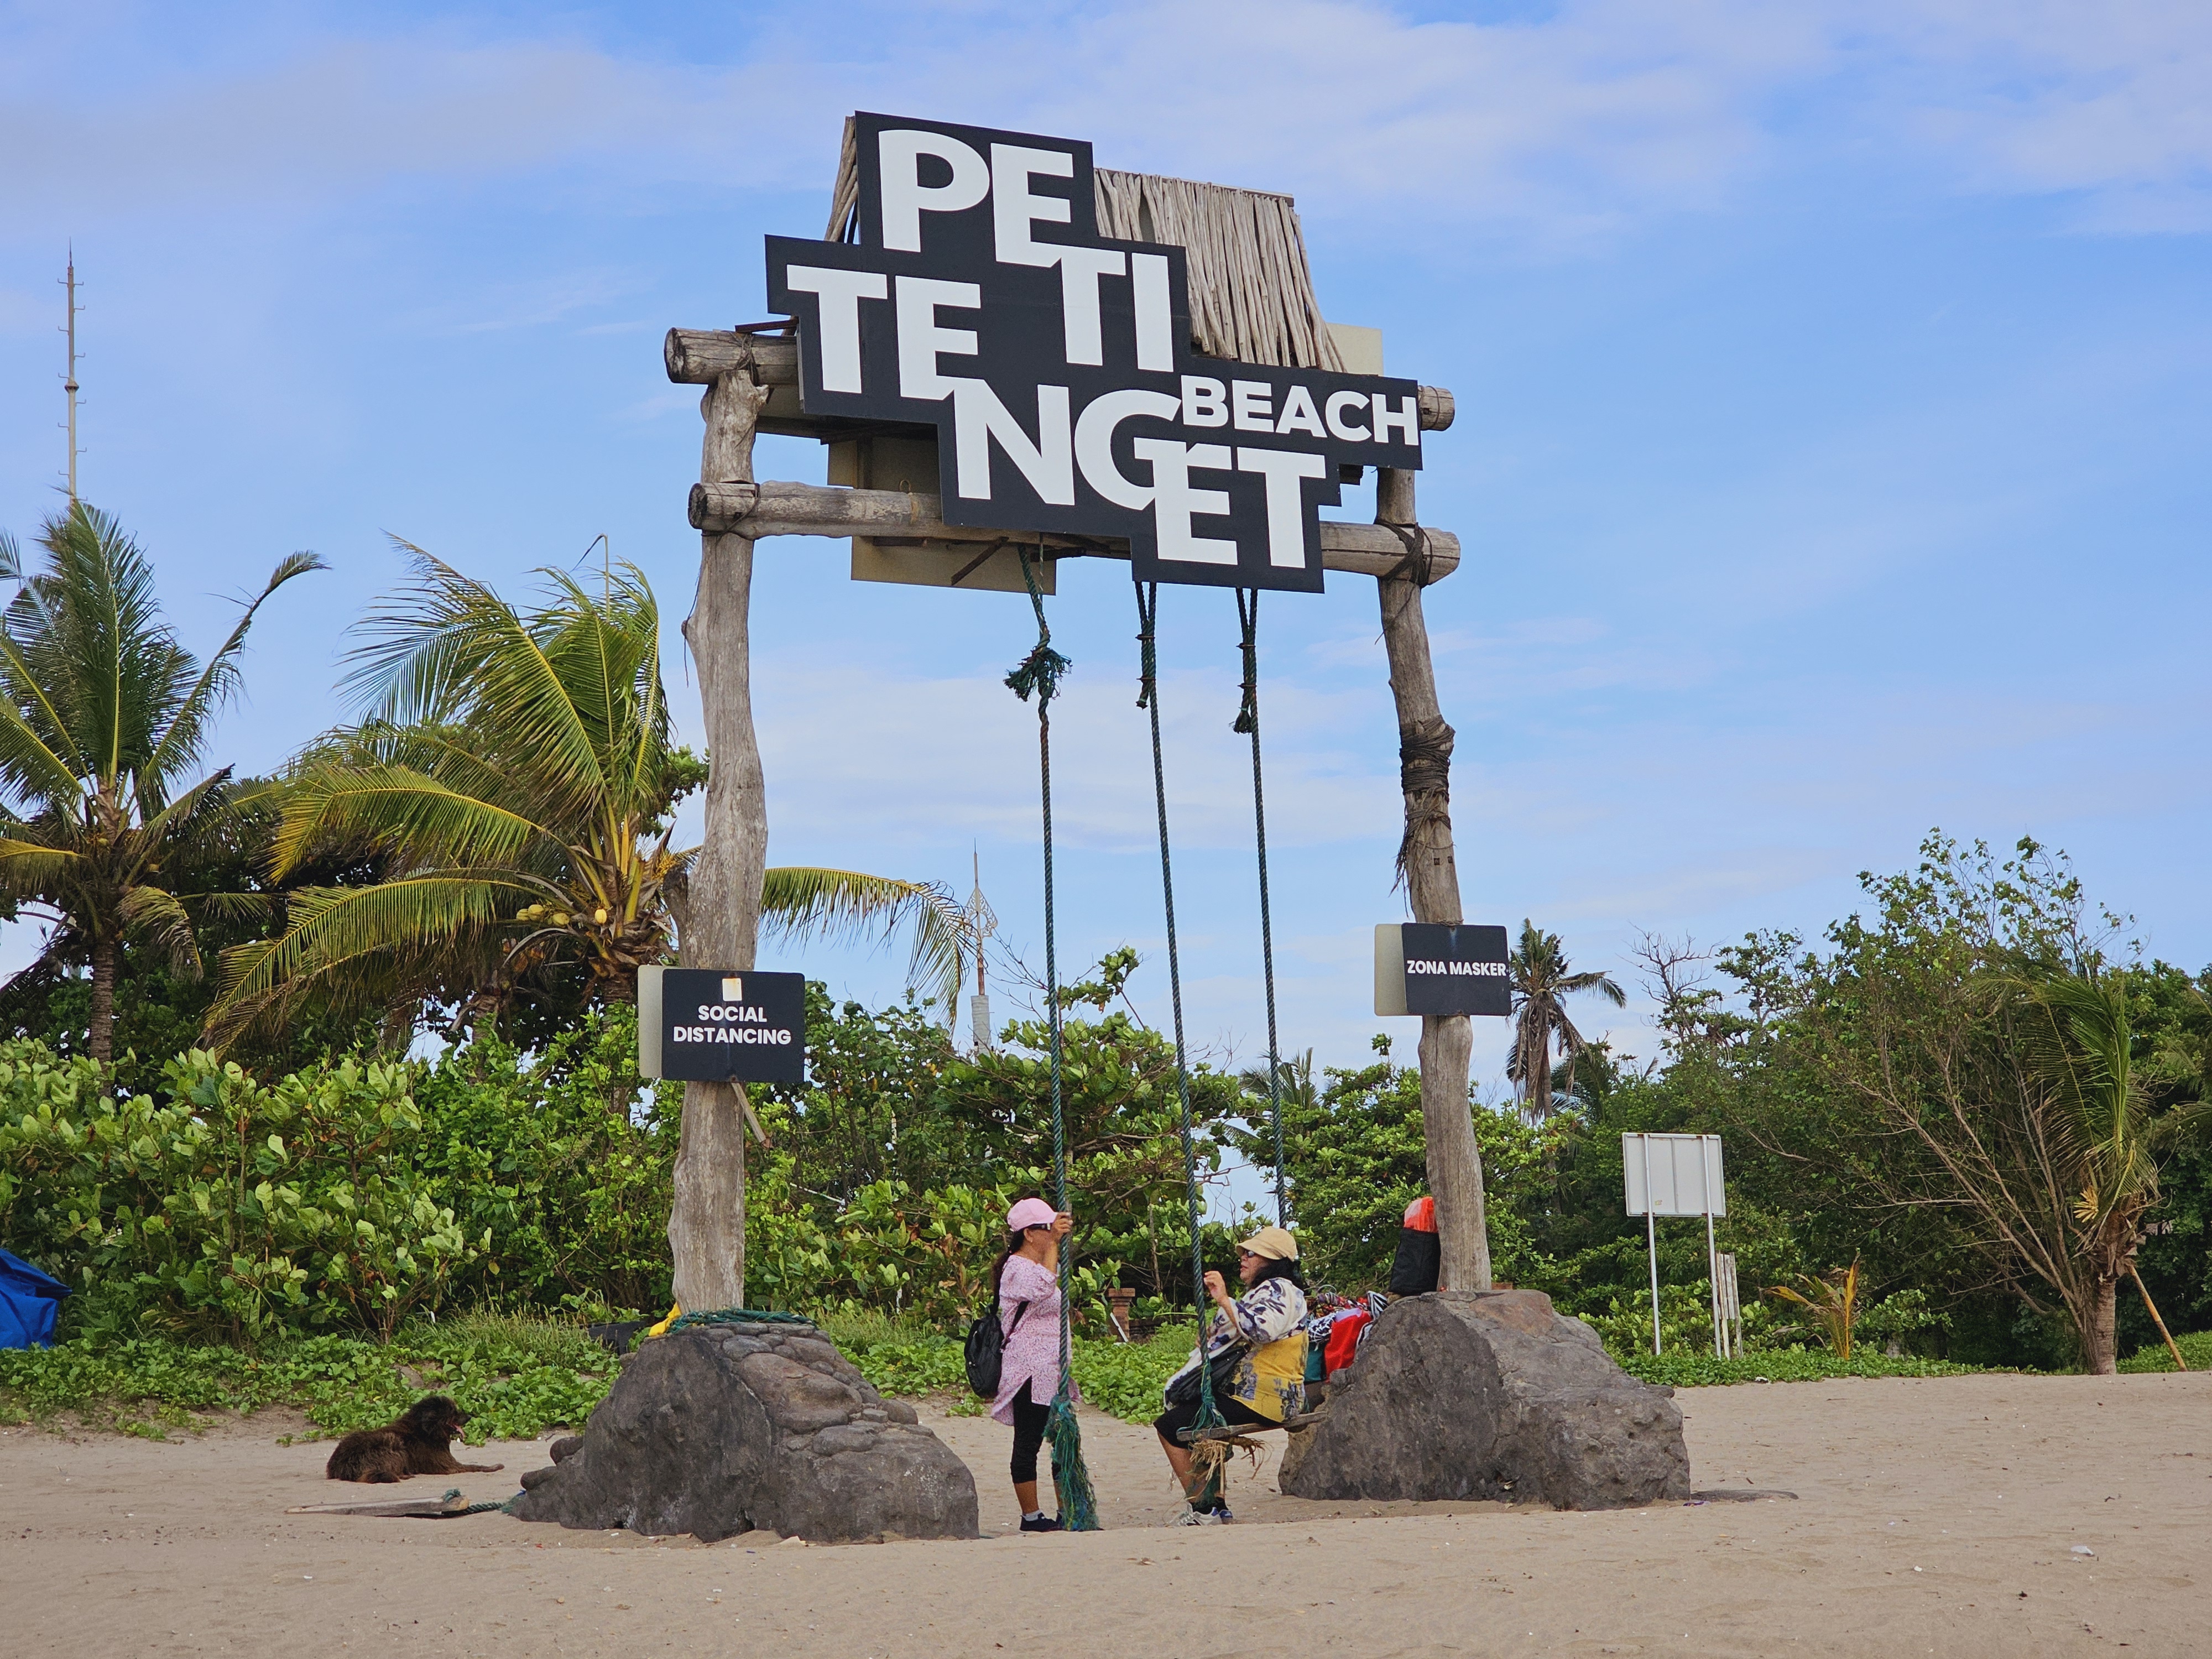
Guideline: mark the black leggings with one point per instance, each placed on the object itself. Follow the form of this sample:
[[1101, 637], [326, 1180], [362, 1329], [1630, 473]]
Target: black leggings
[[1176, 1418], [1028, 1435]]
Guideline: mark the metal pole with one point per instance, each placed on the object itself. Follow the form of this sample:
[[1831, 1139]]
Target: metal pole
[[1712, 1258], [1651, 1244]]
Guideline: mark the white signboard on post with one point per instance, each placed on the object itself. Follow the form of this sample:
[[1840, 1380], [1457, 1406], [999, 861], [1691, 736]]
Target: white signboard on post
[[1674, 1175]]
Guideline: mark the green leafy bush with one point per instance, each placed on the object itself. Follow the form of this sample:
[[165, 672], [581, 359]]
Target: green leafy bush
[[1680, 1369], [514, 1382], [221, 1205], [2195, 1347]]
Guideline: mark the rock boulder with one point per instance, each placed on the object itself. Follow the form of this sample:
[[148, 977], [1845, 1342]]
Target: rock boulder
[[718, 1429], [1489, 1393]]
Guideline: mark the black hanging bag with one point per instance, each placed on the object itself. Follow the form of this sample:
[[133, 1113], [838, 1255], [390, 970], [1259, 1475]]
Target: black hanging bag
[[987, 1348]]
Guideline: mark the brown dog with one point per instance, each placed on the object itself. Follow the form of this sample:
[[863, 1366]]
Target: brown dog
[[417, 1442]]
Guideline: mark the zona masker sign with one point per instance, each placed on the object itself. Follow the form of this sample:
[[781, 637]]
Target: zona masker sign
[[1057, 368]]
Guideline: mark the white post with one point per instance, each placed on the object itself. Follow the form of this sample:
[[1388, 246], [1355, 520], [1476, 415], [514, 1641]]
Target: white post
[[1712, 1257], [1651, 1245]]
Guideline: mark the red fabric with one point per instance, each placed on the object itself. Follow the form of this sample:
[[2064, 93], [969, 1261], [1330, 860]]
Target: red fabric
[[1344, 1339], [1421, 1215]]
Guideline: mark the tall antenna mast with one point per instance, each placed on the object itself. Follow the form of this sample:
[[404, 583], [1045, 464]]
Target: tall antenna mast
[[69, 383]]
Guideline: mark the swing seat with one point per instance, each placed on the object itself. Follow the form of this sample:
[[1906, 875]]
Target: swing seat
[[1238, 1431]]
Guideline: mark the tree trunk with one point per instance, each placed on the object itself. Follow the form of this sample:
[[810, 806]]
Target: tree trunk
[[1432, 877], [707, 1223], [2098, 1333], [100, 1037]]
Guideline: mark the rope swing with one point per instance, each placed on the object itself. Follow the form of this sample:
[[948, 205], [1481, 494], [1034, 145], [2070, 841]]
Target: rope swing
[[1247, 720], [1040, 673], [1208, 1474]]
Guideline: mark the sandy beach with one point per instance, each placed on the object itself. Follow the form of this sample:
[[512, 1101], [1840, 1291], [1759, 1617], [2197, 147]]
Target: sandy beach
[[1945, 1516]]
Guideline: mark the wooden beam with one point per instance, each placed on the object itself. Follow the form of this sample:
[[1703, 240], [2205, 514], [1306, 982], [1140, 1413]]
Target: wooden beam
[[1430, 873], [796, 509], [696, 356], [719, 923]]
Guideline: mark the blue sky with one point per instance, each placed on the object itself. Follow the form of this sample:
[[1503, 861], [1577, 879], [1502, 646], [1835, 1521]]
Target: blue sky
[[1831, 465]]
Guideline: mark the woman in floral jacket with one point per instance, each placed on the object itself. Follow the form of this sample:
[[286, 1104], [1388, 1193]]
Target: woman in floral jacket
[[1266, 1330]]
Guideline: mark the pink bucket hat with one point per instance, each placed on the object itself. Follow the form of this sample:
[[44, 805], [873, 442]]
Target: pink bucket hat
[[1030, 1212]]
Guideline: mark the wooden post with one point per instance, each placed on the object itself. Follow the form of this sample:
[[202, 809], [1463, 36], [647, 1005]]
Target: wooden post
[[1431, 878], [721, 914]]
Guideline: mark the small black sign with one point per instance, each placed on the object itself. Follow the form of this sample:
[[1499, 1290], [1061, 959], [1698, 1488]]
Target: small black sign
[[1056, 365], [716, 1027], [1457, 970]]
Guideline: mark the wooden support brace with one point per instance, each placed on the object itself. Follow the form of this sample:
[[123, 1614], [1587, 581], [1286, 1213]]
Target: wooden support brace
[[796, 509], [696, 356]]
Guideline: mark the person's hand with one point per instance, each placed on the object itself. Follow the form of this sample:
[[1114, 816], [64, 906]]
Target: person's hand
[[1215, 1288], [1062, 1225]]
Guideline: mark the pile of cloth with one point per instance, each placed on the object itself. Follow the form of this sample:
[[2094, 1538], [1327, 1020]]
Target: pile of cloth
[[1333, 1335]]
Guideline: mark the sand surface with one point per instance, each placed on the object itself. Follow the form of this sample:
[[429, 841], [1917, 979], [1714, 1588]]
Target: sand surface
[[1933, 1516]]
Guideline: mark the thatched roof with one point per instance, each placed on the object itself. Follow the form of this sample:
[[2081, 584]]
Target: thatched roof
[[1251, 290]]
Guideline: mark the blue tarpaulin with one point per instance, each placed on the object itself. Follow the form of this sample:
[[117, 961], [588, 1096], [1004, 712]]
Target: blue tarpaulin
[[28, 1302]]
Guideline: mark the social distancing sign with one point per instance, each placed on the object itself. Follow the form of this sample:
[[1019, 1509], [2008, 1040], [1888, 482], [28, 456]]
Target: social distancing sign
[[716, 1026]]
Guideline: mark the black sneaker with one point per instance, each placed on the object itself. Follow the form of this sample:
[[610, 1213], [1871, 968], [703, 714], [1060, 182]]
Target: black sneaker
[[1042, 1523]]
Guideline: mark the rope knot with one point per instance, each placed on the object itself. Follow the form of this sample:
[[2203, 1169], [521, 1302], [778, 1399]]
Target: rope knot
[[1041, 671], [1246, 723]]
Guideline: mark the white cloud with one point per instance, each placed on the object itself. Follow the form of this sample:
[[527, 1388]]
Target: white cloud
[[949, 759], [1599, 116]]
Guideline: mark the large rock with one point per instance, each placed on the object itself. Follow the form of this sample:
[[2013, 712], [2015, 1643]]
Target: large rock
[[717, 1430], [1489, 1393]]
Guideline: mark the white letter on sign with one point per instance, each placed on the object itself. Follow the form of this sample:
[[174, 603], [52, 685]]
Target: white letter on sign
[[842, 292], [899, 155], [1286, 518], [1174, 501], [920, 339], [1094, 442], [1013, 210], [1148, 280], [1080, 268], [978, 417]]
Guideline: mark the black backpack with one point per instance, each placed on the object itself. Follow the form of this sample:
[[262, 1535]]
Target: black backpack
[[987, 1348]]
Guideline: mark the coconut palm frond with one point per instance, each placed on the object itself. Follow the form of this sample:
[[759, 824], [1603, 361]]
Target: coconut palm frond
[[155, 918], [218, 682], [805, 902], [451, 649], [396, 809]]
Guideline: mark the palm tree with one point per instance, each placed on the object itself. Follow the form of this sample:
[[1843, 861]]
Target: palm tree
[[104, 715], [514, 773], [2077, 1043], [1540, 981]]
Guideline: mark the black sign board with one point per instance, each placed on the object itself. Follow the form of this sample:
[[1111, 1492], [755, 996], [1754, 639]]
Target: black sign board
[[1057, 368], [1428, 968], [703, 1025]]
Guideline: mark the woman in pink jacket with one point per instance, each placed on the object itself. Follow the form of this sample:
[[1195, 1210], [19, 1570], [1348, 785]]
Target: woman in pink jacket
[[1027, 1281]]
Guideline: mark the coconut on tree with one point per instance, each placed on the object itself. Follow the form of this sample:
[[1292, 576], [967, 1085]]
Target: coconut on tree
[[514, 772], [103, 719]]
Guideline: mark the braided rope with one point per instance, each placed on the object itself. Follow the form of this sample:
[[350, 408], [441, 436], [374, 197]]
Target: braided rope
[[1040, 673], [1247, 720], [1209, 1416]]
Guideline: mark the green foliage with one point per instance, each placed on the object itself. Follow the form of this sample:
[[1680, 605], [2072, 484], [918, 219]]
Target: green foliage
[[103, 715], [1682, 1370], [225, 1206], [2196, 1348], [514, 1379]]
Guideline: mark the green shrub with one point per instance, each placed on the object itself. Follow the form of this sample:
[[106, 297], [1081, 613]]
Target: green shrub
[[223, 1206], [514, 1382], [2195, 1347], [1680, 1369]]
